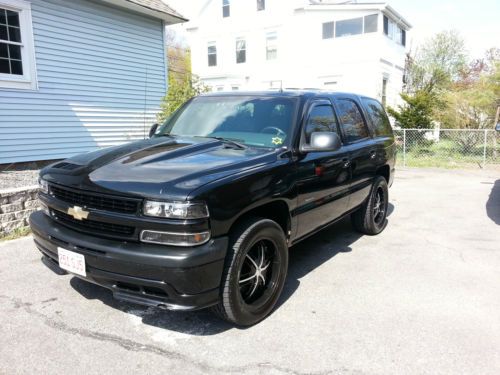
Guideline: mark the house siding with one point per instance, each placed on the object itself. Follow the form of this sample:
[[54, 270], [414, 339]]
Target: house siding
[[101, 77]]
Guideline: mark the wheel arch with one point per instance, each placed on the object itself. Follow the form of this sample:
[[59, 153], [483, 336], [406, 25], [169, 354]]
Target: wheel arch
[[276, 210], [384, 171]]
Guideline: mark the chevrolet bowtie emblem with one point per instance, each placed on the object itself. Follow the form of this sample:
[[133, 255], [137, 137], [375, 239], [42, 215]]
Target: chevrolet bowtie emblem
[[78, 213]]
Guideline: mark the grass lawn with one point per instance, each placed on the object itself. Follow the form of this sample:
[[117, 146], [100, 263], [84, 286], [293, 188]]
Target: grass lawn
[[16, 233]]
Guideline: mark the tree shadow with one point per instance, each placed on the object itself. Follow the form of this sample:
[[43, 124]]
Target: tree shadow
[[304, 257], [493, 203]]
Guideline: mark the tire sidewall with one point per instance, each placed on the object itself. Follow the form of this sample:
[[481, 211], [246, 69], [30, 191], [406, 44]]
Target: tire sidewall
[[379, 183], [239, 311]]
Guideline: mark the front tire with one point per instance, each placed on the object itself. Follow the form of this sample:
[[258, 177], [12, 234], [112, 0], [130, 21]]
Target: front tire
[[371, 217], [254, 272]]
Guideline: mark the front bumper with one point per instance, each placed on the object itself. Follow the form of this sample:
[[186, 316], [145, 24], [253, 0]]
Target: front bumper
[[154, 275]]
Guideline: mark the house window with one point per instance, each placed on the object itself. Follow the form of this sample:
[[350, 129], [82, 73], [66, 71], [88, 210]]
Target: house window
[[393, 31], [328, 30], [261, 5], [17, 64], [241, 51], [235, 88], [212, 54], [226, 8], [384, 91], [271, 46], [349, 27], [371, 23]]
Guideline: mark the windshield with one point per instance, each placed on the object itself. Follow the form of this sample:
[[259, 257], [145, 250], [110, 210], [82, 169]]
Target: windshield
[[254, 121]]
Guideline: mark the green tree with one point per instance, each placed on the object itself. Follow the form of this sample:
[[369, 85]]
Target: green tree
[[437, 63], [182, 84], [179, 91], [416, 112], [430, 72]]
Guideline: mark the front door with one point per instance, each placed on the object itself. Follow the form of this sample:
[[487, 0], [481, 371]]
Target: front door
[[362, 149], [323, 177]]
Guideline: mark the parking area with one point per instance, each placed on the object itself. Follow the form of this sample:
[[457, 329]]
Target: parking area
[[421, 298]]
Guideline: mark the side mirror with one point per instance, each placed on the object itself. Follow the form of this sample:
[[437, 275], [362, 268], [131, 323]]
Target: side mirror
[[497, 127], [152, 131], [323, 141]]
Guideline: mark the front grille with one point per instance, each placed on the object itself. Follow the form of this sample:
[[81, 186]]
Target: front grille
[[93, 200], [92, 226]]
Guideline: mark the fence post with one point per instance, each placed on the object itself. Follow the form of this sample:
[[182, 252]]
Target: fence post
[[484, 146], [404, 148]]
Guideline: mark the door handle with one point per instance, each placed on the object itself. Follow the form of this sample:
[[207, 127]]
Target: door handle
[[346, 163], [373, 154]]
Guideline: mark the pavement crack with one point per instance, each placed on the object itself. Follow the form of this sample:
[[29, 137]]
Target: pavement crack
[[135, 346]]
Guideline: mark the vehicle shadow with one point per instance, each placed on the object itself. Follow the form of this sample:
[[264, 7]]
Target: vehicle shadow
[[493, 203], [304, 257]]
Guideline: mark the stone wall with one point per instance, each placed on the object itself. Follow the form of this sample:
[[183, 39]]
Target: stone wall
[[16, 205]]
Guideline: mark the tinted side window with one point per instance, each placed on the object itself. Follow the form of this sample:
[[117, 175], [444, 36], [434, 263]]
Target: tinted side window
[[378, 116], [352, 121], [321, 119]]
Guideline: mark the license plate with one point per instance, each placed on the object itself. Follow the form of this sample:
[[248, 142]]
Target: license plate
[[71, 261]]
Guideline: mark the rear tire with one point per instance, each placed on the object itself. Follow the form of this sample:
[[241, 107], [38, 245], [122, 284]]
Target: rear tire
[[371, 217], [254, 273]]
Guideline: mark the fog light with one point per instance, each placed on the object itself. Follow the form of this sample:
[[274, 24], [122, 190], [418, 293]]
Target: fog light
[[175, 239], [44, 208]]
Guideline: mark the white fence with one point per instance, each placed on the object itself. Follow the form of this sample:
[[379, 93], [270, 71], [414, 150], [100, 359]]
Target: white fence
[[448, 148]]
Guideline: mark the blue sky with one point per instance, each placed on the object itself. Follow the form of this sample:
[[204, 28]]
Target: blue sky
[[478, 21]]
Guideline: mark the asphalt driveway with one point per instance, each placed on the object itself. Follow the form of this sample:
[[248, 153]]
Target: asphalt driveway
[[421, 298]]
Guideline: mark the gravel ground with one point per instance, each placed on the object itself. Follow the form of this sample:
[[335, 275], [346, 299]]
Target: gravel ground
[[420, 298], [17, 179], [21, 174]]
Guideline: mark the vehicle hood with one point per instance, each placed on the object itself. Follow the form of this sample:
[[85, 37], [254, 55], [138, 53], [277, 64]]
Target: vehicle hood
[[164, 168]]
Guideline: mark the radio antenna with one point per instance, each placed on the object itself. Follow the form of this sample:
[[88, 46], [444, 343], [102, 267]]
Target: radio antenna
[[145, 98]]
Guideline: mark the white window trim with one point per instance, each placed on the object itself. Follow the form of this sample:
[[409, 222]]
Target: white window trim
[[28, 80]]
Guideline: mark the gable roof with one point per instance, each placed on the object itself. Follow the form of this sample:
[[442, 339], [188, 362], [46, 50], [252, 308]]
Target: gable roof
[[153, 8]]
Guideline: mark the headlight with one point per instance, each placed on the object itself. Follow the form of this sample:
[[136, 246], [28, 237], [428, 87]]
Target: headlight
[[175, 210], [175, 239], [43, 185]]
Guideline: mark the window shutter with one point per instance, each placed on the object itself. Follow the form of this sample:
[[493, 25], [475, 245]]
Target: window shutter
[[386, 25], [403, 37]]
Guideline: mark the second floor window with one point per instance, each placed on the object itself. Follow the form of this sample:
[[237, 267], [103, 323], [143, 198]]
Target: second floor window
[[271, 46], [212, 54], [226, 8], [261, 4], [241, 51], [393, 31], [349, 27]]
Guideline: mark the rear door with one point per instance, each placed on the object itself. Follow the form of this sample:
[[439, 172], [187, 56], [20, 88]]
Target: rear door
[[361, 147], [322, 177], [384, 137]]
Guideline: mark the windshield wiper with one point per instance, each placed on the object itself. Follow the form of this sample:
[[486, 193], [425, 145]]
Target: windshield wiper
[[230, 141]]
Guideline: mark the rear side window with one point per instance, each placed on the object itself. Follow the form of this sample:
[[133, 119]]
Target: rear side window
[[378, 116], [352, 121], [321, 119]]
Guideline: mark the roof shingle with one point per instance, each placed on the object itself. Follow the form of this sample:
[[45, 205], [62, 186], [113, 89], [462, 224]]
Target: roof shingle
[[158, 6]]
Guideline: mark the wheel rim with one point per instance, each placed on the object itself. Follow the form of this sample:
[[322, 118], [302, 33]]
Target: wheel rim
[[379, 207], [259, 273]]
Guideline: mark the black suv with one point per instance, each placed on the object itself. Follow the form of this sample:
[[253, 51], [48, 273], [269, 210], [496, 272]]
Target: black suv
[[202, 213]]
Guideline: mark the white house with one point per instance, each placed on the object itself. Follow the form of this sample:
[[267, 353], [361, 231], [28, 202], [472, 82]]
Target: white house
[[337, 45], [77, 75]]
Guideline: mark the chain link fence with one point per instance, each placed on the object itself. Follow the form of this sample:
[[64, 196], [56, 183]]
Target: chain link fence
[[448, 148]]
